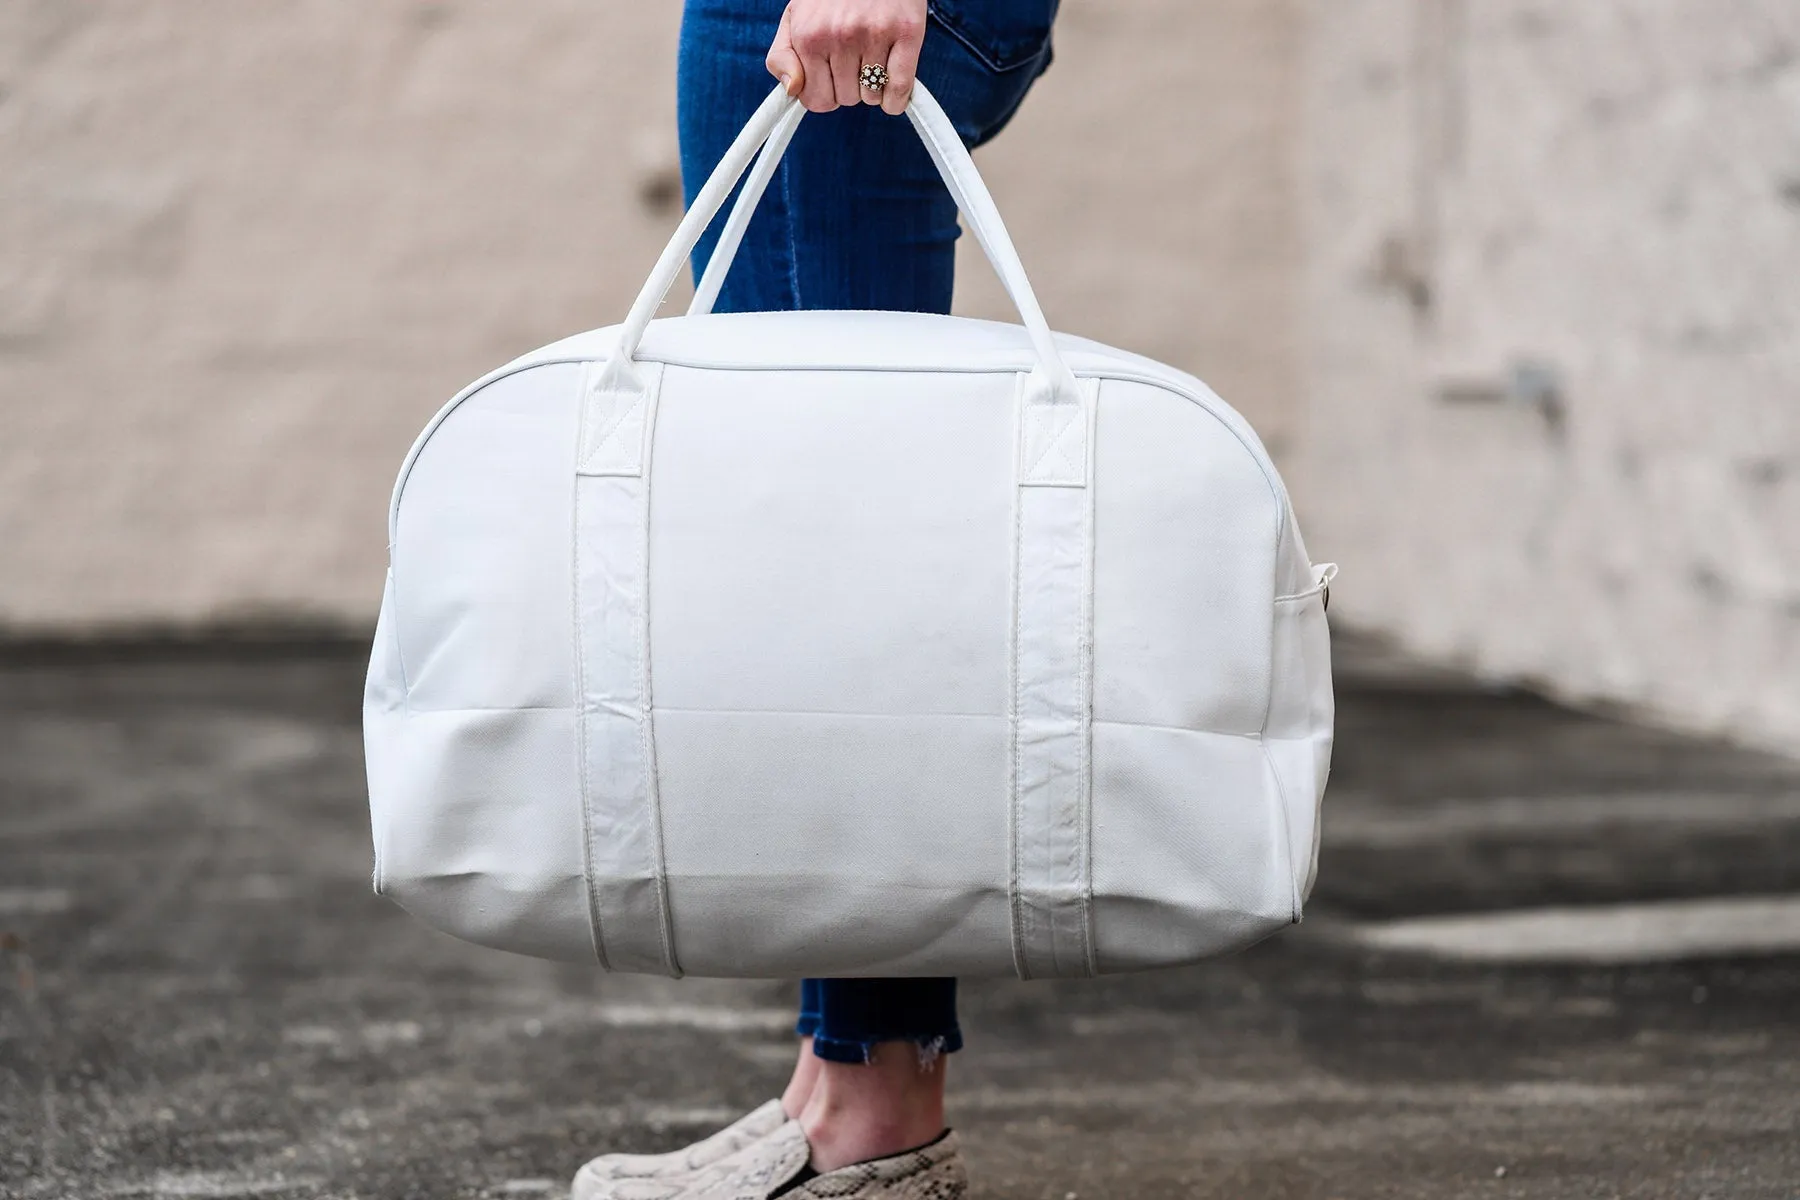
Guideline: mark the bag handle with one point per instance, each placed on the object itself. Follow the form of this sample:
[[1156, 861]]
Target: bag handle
[[706, 292], [771, 127]]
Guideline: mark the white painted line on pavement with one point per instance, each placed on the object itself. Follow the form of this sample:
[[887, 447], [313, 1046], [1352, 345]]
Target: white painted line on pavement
[[693, 1016], [1659, 931], [665, 1116], [1356, 824], [1223, 1092], [34, 902], [217, 1185]]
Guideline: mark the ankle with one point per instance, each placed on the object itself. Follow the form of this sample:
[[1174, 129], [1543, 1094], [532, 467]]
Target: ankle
[[840, 1143], [800, 1085], [875, 1110]]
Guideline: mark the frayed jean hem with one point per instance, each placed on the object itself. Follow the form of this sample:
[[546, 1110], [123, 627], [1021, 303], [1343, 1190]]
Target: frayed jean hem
[[857, 1052]]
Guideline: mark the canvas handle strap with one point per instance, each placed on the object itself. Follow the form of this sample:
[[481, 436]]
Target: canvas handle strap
[[771, 128]]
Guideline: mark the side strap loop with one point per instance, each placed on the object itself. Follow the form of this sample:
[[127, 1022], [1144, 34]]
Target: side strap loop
[[1052, 874], [627, 876]]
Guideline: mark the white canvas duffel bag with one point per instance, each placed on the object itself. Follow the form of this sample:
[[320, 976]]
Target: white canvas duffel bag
[[846, 643]]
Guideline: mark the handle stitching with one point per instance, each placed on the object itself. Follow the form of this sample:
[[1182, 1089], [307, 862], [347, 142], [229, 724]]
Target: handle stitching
[[609, 435]]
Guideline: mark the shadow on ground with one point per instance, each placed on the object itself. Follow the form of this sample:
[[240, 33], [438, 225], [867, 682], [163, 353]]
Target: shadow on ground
[[203, 999]]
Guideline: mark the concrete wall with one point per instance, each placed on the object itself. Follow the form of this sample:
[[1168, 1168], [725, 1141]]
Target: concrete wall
[[1517, 310], [247, 247], [1552, 416], [250, 246]]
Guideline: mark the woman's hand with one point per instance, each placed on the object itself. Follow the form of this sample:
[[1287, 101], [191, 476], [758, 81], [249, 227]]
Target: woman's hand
[[821, 47]]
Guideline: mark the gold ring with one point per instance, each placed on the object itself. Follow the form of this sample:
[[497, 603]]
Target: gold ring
[[874, 76]]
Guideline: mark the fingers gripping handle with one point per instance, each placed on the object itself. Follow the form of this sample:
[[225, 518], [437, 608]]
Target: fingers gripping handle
[[772, 128]]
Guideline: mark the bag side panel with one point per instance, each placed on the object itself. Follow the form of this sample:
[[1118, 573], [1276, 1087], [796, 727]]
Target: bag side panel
[[482, 549], [1189, 854], [1298, 738], [1189, 841], [1185, 536], [830, 623], [815, 844], [484, 836], [384, 715], [832, 541], [475, 778]]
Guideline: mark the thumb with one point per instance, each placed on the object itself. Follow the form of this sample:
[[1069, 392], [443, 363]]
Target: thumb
[[783, 63]]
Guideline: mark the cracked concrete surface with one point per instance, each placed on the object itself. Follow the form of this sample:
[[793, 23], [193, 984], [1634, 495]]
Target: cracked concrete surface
[[202, 998]]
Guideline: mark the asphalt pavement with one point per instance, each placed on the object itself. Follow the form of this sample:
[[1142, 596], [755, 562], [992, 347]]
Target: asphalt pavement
[[1525, 973]]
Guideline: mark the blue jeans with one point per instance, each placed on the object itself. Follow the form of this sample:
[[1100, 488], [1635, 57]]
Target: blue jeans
[[856, 218]]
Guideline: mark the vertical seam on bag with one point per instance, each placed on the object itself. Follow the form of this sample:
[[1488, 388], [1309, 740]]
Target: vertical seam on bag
[[1021, 964], [1287, 830], [1092, 416], [581, 713], [1262, 733], [393, 603], [647, 732]]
